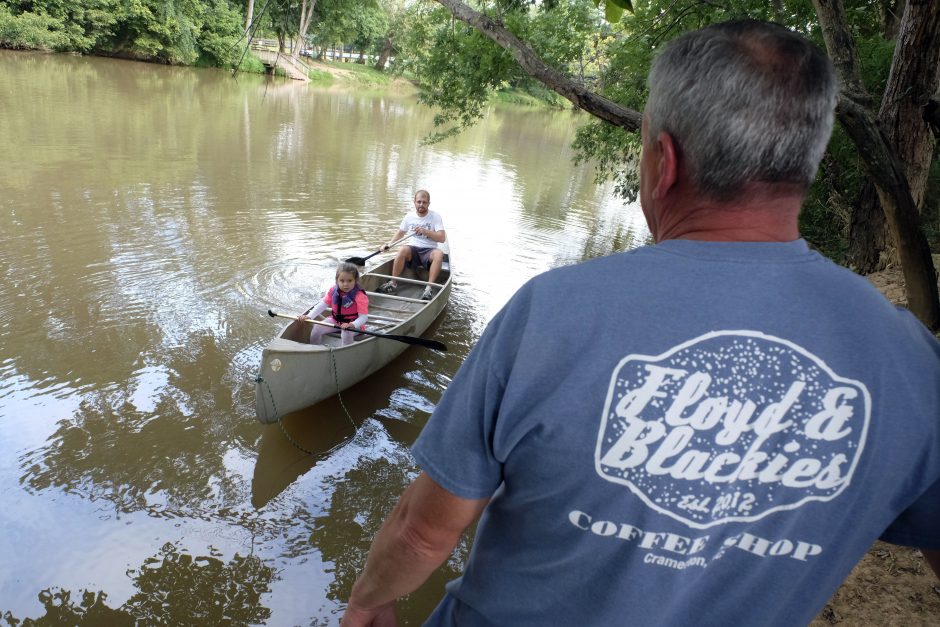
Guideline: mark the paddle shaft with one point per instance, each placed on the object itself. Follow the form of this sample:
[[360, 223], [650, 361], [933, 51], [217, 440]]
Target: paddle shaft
[[407, 339], [361, 261]]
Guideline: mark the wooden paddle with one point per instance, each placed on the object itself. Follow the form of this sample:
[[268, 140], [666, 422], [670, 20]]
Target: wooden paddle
[[407, 339], [361, 261]]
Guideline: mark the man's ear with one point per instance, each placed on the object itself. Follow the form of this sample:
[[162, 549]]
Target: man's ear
[[667, 165]]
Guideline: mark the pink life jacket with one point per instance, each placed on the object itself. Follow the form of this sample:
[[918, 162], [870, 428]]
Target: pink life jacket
[[345, 309]]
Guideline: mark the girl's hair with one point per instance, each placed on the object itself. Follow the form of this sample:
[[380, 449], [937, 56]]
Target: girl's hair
[[348, 267]]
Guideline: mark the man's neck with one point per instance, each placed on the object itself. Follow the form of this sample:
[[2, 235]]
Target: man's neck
[[762, 214]]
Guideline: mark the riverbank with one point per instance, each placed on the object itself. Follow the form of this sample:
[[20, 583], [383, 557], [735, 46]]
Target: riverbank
[[357, 76]]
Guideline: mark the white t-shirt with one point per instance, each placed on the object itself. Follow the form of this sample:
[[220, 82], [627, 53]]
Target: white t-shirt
[[431, 221]]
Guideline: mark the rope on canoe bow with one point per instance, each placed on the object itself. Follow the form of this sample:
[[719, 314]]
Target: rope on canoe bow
[[280, 423], [338, 395]]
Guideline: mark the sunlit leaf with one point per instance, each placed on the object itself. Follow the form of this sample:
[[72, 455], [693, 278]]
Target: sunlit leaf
[[613, 12], [623, 4]]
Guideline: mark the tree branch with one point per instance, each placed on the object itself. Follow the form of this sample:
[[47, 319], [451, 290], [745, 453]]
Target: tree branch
[[560, 83], [881, 162]]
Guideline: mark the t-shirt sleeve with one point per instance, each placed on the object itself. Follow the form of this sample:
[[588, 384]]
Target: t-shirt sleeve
[[317, 309], [457, 447], [919, 524]]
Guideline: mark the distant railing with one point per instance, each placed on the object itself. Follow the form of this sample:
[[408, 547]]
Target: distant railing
[[329, 53], [261, 44], [287, 62]]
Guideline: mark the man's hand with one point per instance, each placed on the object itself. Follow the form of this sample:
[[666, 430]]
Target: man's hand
[[382, 616]]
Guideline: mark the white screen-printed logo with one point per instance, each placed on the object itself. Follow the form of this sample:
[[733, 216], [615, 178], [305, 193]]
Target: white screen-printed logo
[[731, 426]]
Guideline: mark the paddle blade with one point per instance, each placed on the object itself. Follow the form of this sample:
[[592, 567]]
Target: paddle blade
[[359, 261]]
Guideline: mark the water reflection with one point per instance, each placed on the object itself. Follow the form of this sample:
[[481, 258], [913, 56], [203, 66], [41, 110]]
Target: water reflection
[[153, 215], [155, 459], [359, 504], [173, 588]]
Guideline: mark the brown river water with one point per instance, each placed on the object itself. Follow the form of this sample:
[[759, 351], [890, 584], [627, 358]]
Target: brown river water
[[149, 217]]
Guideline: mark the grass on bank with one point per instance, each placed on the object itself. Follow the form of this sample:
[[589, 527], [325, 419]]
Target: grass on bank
[[362, 75]]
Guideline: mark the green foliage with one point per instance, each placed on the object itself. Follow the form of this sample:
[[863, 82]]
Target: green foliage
[[615, 154], [826, 213], [251, 64], [359, 22], [31, 31], [460, 70], [320, 79], [219, 38], [610, 51], [875, 54], [168, 31], [365, 75]]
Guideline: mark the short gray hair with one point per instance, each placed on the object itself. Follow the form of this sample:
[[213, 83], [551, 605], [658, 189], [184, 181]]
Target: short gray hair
[[746, 101]]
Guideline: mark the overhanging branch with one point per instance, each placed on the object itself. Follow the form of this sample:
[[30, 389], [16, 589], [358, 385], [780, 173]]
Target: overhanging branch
[[560, 83]]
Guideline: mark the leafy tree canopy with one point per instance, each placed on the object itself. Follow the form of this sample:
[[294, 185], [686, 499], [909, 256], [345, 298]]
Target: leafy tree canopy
[[181, 32]]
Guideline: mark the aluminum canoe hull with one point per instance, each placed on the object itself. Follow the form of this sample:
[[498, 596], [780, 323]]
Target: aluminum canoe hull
[[295, 374]]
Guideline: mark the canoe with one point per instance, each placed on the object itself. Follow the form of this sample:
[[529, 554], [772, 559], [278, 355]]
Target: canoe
[[295, 374]]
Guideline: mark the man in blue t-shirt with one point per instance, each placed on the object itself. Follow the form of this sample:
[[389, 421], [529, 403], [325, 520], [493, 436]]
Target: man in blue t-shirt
[[752, 421]]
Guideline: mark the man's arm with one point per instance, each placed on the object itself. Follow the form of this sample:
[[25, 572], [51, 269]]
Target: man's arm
[[398, 235], [417, 537]]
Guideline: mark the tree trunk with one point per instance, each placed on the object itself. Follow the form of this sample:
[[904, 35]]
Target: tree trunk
[[914, 77], [894, 9], [306, 18], [913, 80], [249, 16], [880, 158], [386, 53], [867, 228]]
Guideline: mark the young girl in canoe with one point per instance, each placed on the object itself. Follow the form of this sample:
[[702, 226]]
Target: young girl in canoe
[[348, 302]]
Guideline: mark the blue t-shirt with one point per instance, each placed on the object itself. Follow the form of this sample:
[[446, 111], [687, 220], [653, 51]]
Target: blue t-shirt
[[720, 440]]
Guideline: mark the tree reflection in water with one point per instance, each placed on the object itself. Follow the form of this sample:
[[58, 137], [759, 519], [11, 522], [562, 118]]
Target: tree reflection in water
[[174, 588], [359, 505], [166, 460]]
